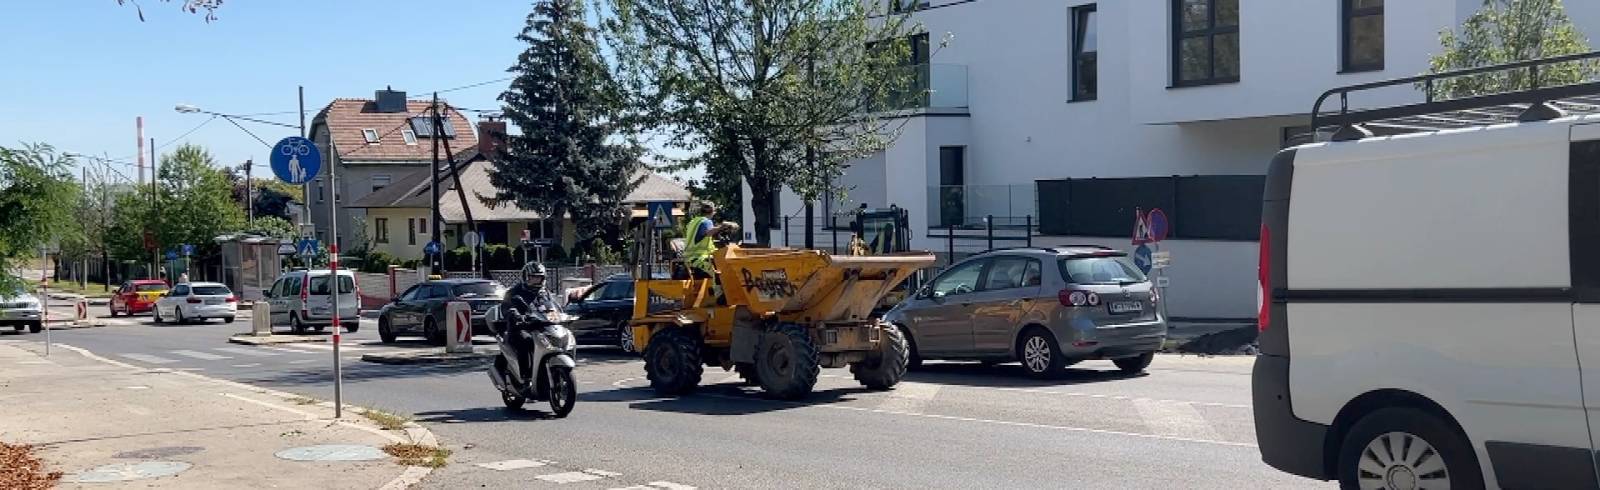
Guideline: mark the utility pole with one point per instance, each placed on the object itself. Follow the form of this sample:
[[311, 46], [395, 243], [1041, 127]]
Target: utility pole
[[306, 229], [105, 208], [249, 192], [433, 185], [155, 216]]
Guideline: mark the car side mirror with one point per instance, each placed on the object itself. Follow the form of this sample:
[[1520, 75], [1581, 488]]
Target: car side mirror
[[266, 293]]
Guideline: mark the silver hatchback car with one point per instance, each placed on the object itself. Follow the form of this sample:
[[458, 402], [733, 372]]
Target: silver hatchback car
[[1046, 307]]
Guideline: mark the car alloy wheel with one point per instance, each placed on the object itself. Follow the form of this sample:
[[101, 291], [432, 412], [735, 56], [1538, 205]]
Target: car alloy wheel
[[1036, 354], [625, 338]]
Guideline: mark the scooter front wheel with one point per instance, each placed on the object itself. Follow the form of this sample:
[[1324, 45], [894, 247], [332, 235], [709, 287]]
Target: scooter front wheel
[[563, 391]]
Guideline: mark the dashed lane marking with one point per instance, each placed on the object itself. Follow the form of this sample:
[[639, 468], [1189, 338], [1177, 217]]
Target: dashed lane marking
[[603, 473], [511, 464], [200, 355], [568, 477], [250, 365], [245, 351], [909, 397], [666, 485], [149, 359]]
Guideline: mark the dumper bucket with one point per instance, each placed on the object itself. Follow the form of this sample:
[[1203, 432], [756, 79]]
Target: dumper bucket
[[812, 286]]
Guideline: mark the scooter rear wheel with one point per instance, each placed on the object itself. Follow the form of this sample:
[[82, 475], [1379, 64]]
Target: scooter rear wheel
[[563, 391]]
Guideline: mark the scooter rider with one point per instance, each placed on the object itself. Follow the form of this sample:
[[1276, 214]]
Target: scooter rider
[[528, 297]]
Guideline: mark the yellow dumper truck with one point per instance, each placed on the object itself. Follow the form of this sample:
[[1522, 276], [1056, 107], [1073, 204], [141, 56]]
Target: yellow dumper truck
[[778, 316]]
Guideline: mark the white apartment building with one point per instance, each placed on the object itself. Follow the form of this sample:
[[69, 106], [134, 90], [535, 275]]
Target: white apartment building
[[1131, 94]]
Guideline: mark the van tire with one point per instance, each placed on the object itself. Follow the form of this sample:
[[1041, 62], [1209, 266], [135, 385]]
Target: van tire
[[294, 324], [1460, 460], [34, 327]]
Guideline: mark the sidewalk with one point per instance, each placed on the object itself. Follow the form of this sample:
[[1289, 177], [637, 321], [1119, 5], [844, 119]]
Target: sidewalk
[[107, 424]]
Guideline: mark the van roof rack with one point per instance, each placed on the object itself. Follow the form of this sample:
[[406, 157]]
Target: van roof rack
[[1434, 113]]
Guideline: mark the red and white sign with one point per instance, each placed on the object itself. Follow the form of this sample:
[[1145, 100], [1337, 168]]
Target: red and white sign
[[1150, 227], [458, 327]]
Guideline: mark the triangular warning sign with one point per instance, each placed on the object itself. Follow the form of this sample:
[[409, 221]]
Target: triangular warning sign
[[1141, 227]]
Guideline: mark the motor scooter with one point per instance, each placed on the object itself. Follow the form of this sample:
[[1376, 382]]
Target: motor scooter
[[536, 360]]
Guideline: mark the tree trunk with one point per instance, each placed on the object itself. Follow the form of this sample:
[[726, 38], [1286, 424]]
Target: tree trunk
[[762, 197]]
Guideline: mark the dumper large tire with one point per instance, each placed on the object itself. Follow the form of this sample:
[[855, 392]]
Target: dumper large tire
[[883, 369], [786, 362], [672, 361]]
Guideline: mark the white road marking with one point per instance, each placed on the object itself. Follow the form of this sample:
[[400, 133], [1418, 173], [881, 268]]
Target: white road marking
[[666, 485], [325, 347], [1115, 397], [302, 361], [200, 355], [146, 358], [909, 397], [246, 351], [568, 477], [604, 473], [250, 365], [1175, 420], [136, 410], [733, 377], [511, 464]]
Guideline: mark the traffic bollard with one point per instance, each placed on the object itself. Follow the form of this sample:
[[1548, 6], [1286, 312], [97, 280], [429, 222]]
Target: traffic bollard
[[81, 316], [458, 334], [261, 319]]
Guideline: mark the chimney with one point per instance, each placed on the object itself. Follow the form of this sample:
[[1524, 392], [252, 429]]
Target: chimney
[[390, 100], [491, 136]]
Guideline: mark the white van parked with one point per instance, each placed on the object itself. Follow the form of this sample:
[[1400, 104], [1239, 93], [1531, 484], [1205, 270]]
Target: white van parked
[[1431, 292], [303, 300]]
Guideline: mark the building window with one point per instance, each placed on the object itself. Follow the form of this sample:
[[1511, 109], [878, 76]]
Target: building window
[[371, 135], [410, 136], [380, 230], [904, 6], [1361, 35], [422, 225], [319, 191], [1205, 42], [411, 231], [952, 185], [379, 182], [775, 212], [1085, 52]]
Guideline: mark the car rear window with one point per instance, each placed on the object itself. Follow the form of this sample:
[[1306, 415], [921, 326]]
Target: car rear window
[[149, 287], [319, 285], [212, 291], [477, 289], [1100, 270]]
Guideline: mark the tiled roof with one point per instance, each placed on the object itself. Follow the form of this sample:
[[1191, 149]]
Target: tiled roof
[[346, 119], [411, 191]]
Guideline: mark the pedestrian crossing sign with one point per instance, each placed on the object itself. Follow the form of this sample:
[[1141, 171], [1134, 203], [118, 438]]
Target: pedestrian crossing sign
[[661, 214]]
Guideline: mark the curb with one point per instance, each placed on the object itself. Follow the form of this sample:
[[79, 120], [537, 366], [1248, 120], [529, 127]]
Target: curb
[[408, 359], [414, 433], [248, 339]]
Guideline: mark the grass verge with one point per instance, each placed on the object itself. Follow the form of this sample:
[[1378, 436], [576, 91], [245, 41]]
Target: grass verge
[[21, 470], [386, 420], [418, 455]]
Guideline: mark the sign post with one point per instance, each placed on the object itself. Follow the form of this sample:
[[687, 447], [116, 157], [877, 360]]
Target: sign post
[[188, 250], [473, 240], [459, 336], [44, 291], [296, 160]]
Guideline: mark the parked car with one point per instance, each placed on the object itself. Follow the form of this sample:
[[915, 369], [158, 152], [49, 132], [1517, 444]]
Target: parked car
[[303, 300], [198, 301], [136, 296], [1046, 307], [22, 310], [600, 313], [420, 310]]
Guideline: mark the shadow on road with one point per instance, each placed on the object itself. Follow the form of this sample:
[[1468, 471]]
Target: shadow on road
[[485, 414], [1010, 375], [719, 399], [361, 371]]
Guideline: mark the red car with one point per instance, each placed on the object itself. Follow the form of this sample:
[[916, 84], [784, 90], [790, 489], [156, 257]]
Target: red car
[[137, 296]]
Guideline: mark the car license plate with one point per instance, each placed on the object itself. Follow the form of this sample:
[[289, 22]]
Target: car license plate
[[1123, 307], [214, 301]]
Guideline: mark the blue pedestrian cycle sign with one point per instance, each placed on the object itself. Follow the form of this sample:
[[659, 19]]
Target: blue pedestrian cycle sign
[[188, 250], [432, 248], [1143, 258], [296, 160]]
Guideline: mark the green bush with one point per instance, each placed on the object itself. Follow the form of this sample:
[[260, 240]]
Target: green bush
[[500, 257], [458, 259], [378, 261]]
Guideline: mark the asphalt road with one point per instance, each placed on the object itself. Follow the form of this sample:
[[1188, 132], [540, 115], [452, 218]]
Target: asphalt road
[[1184, 424]]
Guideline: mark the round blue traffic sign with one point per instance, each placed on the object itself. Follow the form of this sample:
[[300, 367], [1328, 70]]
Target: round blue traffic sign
[[1142, 259], [432, 248], [296, 160]]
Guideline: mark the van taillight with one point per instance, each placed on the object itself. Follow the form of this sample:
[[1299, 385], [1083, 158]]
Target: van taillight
[[305, 294], [1264, 281]]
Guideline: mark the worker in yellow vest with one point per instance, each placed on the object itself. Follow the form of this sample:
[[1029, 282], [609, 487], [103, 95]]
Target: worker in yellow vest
[[699, 237]]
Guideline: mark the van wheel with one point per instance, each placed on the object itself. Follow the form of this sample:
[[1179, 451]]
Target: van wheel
[[1407, 448], [1135, 364], [35, 327], [295, 325], [1040, 356]]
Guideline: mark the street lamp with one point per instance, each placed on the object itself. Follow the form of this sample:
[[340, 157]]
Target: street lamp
[[186, 108]]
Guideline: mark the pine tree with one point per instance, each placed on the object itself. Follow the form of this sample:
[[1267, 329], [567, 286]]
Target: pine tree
[[568, 158]]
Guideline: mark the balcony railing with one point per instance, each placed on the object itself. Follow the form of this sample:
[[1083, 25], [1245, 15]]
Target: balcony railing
[[967, 206], [928, 86]]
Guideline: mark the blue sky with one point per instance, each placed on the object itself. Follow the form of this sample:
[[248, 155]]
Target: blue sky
[[79, 71]]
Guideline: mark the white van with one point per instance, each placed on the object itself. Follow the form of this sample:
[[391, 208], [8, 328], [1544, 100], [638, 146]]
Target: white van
[[1431, 294], [303, 300]]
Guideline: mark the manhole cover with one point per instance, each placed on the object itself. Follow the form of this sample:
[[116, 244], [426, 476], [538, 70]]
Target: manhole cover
[[158, 452], [332, 452], [129, 471]]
